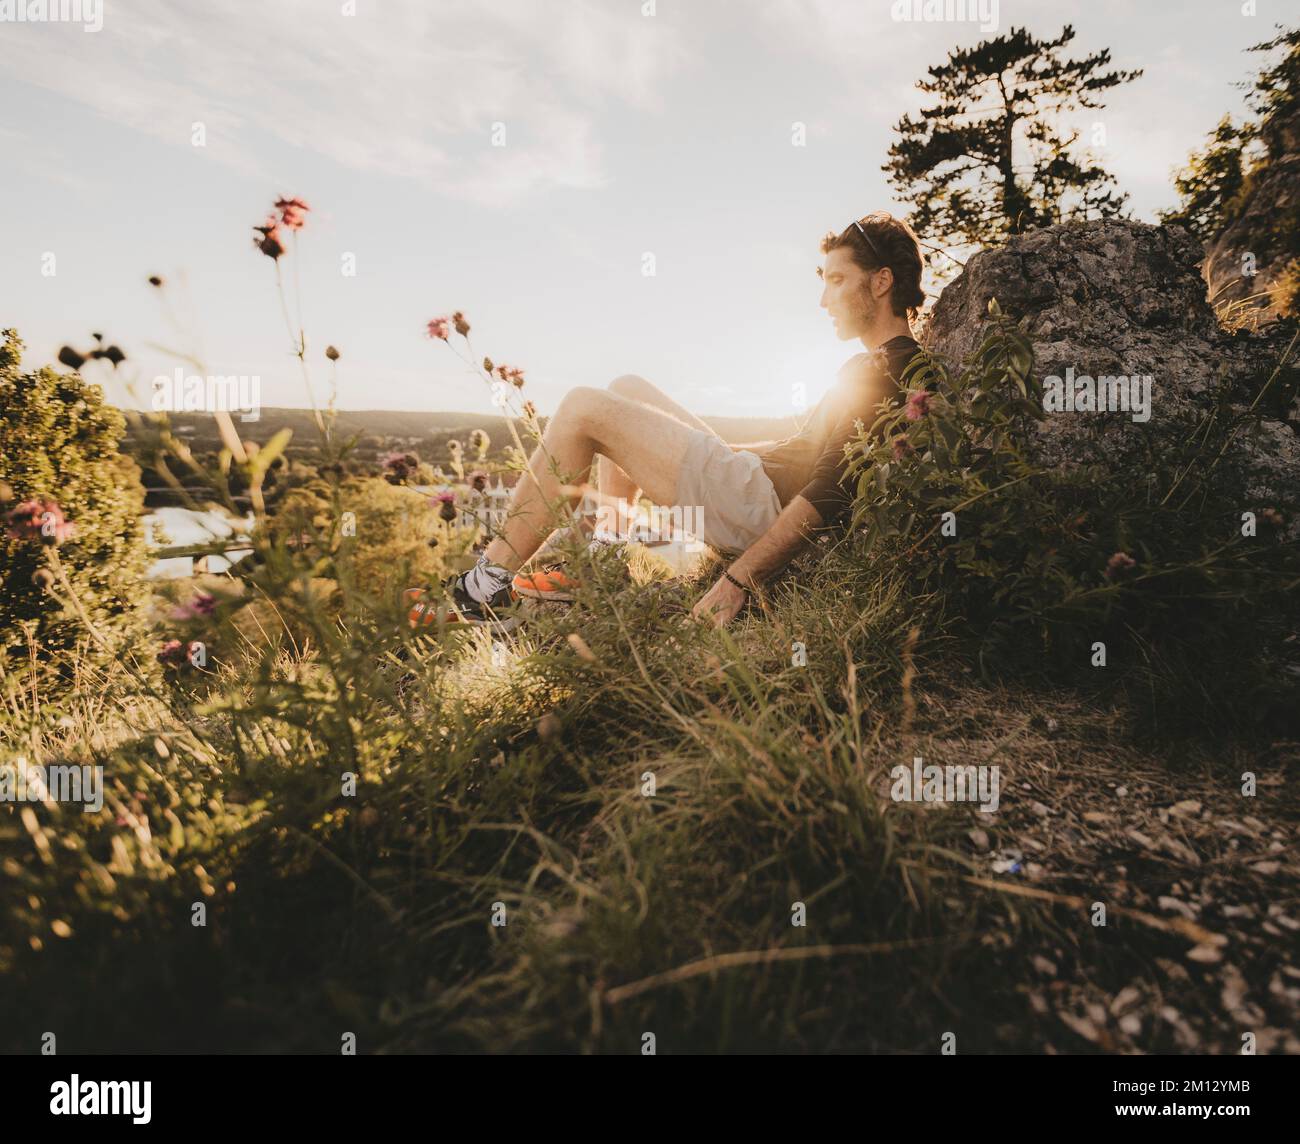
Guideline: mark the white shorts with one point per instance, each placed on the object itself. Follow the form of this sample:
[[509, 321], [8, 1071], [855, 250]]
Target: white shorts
[[733, 496]]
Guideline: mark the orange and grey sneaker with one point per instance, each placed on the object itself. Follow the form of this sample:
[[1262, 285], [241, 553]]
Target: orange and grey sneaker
[[459, 609], [556, 580], [552, 581]]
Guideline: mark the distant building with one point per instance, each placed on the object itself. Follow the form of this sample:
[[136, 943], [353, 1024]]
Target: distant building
[[488, 508]]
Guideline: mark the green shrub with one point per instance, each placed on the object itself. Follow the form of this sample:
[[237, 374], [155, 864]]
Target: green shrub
[[1039, 562], [59, 443]]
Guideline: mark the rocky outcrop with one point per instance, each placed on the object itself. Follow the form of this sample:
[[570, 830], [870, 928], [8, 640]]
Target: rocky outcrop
[[1120, 298]]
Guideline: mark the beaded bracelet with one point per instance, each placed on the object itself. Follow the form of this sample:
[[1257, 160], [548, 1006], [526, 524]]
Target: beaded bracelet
[[729, 576]]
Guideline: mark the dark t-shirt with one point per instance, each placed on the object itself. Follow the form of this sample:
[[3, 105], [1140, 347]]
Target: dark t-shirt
[[811, 463]]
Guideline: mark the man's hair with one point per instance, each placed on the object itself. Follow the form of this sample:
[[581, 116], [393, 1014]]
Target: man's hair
[[889, 241]]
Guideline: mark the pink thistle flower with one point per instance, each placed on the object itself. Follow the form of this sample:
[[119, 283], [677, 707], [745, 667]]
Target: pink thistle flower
[[918, 405], [1118, 564], [292, 212], [201, 606], [172, 653], [438, 328], [39, 519]]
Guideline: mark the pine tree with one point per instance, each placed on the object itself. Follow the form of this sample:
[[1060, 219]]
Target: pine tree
[[1210, 182], [989, 158]]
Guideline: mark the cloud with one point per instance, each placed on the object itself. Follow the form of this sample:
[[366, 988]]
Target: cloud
[[403, 88]]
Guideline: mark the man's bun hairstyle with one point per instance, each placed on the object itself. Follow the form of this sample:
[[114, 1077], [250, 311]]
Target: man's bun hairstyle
[[888, 241]]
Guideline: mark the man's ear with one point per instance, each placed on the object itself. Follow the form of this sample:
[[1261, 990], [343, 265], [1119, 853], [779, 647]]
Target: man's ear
[[886, 276]]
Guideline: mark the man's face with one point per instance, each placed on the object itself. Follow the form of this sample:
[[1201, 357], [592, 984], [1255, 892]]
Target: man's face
[[847, 296]]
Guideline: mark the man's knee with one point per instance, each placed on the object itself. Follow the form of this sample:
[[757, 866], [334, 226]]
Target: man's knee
[[630, 385], [580, 404]]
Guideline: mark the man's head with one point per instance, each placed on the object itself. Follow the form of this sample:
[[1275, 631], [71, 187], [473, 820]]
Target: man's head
[[872, 273]]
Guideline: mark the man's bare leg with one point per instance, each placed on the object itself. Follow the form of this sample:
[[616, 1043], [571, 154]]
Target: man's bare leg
[[611, 483], [647, 444]]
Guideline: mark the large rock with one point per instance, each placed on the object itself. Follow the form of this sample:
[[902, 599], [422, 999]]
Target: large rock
[[1113, 297]]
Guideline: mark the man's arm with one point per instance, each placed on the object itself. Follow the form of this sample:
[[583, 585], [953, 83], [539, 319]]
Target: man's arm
[[788, 535]]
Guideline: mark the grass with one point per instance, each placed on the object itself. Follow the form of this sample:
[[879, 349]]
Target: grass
[[509, 783]]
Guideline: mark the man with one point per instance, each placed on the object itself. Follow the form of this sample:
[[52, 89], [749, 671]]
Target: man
[[761, 504]]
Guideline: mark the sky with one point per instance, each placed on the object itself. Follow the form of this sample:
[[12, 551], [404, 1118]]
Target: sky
[[628, 128]]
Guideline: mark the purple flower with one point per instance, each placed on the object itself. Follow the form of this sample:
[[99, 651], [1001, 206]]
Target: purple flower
[[1118, 564], [201, 606], [172, 653]]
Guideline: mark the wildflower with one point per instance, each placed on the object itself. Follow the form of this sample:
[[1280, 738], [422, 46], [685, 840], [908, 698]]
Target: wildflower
[[172, 653], [71, 358], [1272, 516], [291, 212], [479, 441], [448, 509], [400, 467], [43, 578], [269, 244], [331, 353], [438, 328], [511, 374], [1118, 564], [454, 447], [918, 405], [39, 519], [530, 410], [155, 281], [488, 366], [201, 606], [462, 326], [902, 447], [478, 480]]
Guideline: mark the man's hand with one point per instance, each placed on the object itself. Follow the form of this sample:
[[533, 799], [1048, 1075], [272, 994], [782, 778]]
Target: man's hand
[[720, 604], [789, 534]]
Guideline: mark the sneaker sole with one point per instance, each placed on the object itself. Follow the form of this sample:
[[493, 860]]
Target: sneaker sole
[[530, 593], [418, 618]]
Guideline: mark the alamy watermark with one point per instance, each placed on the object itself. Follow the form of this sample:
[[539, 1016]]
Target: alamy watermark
[[87, 12], [920, 783], [947, 12], [660, 524], [190, 393], [77, 1097], [21, 781], [1083, 394]]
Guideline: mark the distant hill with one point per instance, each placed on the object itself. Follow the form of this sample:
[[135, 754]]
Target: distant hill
[[412, 428]]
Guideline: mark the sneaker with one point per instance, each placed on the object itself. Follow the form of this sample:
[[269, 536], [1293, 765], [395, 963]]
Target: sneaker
[[555, 581], [461, 609], [552, 582]]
